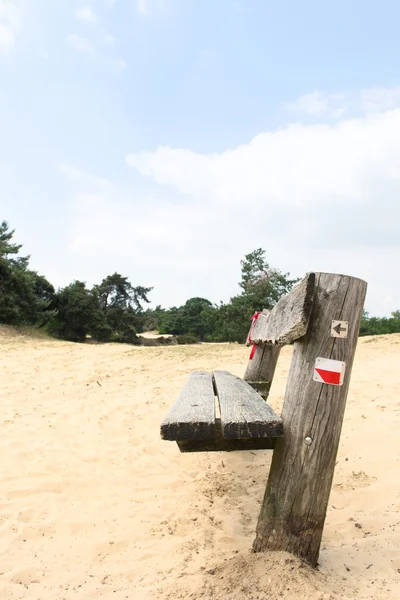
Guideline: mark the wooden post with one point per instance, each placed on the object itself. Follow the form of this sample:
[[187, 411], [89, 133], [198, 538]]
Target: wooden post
[[261, 368], [296, 498]]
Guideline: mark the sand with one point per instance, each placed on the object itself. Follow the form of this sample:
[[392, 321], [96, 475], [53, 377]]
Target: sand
[[94, 505]]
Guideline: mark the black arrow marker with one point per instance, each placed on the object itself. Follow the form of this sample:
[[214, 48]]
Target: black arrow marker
[[338, 328]]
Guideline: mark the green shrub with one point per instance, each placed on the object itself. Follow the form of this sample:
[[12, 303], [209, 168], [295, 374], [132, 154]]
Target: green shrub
[[187, 339]]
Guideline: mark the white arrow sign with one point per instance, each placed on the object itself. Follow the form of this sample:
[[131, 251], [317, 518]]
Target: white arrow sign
[[339, 329]]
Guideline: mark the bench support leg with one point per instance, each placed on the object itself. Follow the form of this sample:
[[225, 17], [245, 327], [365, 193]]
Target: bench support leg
[[296, 498], [261, 368]]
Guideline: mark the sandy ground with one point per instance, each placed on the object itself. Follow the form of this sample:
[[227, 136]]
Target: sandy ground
[[153, 335], [94, 505]]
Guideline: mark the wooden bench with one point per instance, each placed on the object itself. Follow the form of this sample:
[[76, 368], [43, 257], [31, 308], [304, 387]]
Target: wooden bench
[[220, 412]]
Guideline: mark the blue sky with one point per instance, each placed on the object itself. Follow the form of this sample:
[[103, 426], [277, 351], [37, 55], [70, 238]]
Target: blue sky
[[164, 139]]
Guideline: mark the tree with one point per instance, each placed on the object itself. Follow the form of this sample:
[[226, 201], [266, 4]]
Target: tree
[[77, 313], [172, 321], [107, 312], [122, 307], [151, 318], [197, 318], [25, 296], [262, 287], [261, 284], [117, 292], [6, 247], [233, 321], [380, 325]]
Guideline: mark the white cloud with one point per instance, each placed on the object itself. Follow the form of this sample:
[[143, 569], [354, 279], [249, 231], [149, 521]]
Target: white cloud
[[82, 178], [298, 167], [80, 45], [316, 197], [86, 14], [97, 45], [321, 197], [146, 7], [320, 104], [313, 104], [10, 24], [380, 99]]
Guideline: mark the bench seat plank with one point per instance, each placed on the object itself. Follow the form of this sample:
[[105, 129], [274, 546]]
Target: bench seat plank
[[192, 417], [244, 414]]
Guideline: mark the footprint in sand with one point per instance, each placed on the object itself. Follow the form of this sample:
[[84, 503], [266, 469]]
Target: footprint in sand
[[53, 488], [31, 515], [26, 577], [356, 480]]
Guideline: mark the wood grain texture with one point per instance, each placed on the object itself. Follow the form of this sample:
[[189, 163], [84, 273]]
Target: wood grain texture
[[260, 370], [296, 498], [289, 318], [244, 414], [192, 417], [223, 445]]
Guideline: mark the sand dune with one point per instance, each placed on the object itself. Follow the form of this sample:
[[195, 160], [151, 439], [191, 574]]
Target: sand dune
[[94, 505]]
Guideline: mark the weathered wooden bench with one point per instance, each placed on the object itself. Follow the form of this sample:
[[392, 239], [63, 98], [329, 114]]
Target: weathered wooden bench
[[219, 411]]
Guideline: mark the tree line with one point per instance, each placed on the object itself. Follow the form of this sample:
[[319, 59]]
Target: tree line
[[380, 325], [115, 310]]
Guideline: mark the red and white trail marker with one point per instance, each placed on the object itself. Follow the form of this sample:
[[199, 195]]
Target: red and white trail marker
[[329, 371]]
